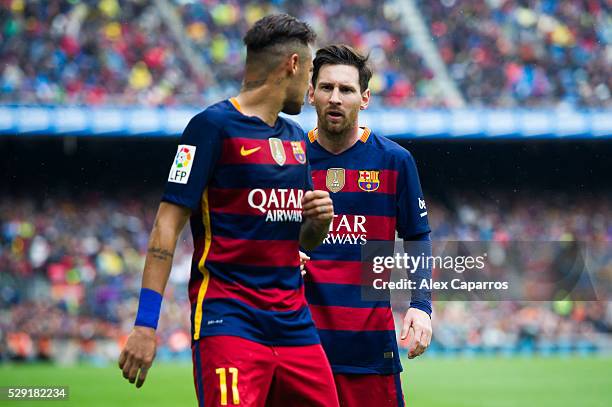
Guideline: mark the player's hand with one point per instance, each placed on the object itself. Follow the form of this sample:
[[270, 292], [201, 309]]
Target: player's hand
[[318, 213], [318, 206], [303, 259], [420, 334], [138, 354]]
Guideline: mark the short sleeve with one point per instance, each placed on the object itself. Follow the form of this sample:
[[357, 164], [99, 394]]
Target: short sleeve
[[194, 162], [411, 208]]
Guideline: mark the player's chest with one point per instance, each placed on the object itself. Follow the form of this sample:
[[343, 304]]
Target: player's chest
[[264, 160], [269, 151], [359, 174], [357, 187]]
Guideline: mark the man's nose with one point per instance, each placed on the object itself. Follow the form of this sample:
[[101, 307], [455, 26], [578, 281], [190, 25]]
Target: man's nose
[[335, 97]]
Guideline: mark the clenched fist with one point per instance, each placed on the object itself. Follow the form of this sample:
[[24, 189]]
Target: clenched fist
[[317, 205], [318, 213]]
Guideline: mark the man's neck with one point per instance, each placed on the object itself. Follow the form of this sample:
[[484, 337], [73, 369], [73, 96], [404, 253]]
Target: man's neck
[[263, 102], [338, 143]]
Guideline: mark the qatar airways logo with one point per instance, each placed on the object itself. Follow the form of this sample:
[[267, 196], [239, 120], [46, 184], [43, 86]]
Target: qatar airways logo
[[347, 229], [279, 204]]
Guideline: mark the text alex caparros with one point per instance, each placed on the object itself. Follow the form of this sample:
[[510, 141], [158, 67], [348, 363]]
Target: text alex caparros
[[458, 264]]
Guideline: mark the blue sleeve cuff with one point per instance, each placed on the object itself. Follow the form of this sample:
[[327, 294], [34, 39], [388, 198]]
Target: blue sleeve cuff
[[424, 306], [423, 302]]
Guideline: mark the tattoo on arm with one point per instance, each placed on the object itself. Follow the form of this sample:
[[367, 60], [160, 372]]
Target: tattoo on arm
[[160, 254]]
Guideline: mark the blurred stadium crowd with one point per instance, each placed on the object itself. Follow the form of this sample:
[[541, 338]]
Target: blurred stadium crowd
[[526, 52], [71, 275], [501, 53]]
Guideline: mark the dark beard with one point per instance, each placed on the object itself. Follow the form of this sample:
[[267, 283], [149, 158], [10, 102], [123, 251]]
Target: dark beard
[[292, 108], [336, 132]]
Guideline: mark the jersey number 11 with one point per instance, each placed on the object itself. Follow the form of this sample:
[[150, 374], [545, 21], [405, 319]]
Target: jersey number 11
[[223, 385]]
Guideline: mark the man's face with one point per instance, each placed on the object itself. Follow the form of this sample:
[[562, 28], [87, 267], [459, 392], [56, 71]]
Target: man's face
[[337, 98], [299, 83]]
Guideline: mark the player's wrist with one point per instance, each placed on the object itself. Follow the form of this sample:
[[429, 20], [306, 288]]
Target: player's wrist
[[426, 308], [144, 331], [149, 307], [318, 225]]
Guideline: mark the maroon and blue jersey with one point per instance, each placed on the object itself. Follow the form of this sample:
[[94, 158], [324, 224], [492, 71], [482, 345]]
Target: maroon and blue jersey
[[376, 191], [244, 181]]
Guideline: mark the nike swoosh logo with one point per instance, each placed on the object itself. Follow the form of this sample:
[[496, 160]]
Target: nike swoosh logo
[[250, 151]]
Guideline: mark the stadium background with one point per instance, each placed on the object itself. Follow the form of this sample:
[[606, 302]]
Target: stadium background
[[504, 104]]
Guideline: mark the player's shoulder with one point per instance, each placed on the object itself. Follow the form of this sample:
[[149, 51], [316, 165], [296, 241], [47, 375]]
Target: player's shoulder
[[293, 127], [310, 136], [215, 114], [389, 148]]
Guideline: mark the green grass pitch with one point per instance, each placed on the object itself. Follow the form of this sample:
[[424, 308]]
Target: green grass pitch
[[428, 382]]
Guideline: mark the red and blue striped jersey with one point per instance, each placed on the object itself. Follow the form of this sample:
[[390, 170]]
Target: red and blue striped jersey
[[244, 181], [376, 191]]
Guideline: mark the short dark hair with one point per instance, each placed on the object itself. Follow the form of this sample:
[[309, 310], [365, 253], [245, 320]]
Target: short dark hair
[[276, 29], [340, 54]]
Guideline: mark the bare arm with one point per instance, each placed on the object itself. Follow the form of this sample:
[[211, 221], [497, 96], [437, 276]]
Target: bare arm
[[169, 223], [139, 352]]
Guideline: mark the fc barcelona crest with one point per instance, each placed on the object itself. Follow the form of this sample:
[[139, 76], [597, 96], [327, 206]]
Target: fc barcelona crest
[[368, 180], [335, 179], [298, 152], [277, 150]]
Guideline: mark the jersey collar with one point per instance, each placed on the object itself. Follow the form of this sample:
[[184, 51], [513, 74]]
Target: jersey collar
[[364, 134], [237, 106]]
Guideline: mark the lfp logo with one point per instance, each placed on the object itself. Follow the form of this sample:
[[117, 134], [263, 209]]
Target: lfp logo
[[183, 157], [181, 168]]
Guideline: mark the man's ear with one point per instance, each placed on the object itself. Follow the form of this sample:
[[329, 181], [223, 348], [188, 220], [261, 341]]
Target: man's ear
[[311, 94], [293, 64], [365, 99]]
